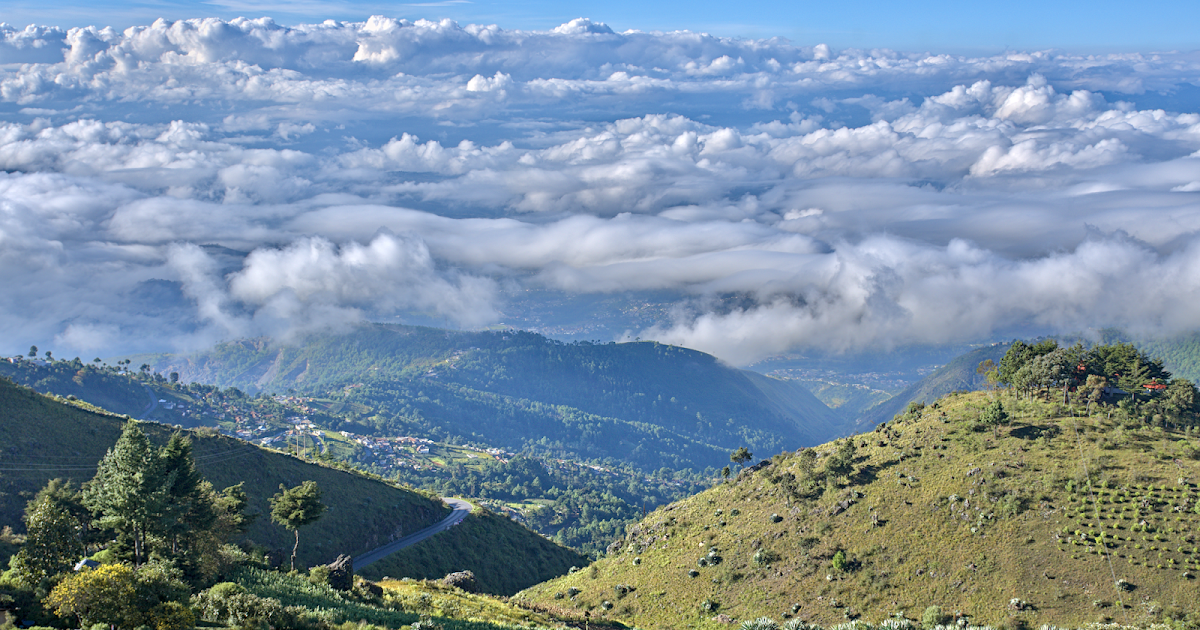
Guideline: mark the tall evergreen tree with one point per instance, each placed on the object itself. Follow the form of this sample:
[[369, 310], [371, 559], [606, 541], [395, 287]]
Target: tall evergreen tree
[[127, 492], [187, 507]]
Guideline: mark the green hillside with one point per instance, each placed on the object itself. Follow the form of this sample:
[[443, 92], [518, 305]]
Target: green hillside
[[1057, 517], [1180, 353], [957, 375], [644, 403], [97, 383], [577, 505], [501, 554], [46, 438]]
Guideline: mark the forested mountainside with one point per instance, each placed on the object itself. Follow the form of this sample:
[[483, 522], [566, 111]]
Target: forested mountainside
[[48, 438], [644, 403]]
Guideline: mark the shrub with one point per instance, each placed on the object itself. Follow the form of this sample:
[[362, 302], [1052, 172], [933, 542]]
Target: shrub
[[764, 557], [426, 623], [933, 616], [230, 604], [840, 563], [171, 616]]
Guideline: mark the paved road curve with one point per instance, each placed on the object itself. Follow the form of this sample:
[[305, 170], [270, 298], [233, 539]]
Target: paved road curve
[[461, 509]]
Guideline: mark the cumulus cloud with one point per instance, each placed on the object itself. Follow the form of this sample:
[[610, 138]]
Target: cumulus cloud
[[181, 182]]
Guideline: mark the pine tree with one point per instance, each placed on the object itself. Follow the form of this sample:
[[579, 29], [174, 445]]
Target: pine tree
[[741, 456], [187, 508], [296, 507], [127, 492]]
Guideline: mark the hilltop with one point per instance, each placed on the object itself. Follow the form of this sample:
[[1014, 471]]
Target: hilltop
[[646, 404], [47, 437], [1060, 516]]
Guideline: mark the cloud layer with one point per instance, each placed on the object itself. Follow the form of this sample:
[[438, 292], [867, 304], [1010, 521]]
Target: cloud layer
[[183, 182]]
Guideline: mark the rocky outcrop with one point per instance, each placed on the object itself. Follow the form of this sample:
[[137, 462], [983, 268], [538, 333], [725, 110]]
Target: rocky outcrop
[[341, 573], [464, 580]]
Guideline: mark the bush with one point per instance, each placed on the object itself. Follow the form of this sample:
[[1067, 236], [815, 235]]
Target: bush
[[171, 616], [933, 616], [764, 557], [840, 563], [230, 604]]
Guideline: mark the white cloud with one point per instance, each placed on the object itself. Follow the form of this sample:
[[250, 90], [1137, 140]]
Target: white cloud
[[204, 178]]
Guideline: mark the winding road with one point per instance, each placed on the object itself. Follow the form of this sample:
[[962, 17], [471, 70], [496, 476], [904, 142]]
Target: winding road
[[153, 403], [461, 509]]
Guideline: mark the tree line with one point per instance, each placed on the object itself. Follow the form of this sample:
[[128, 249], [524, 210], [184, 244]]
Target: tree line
[[1112, 372]]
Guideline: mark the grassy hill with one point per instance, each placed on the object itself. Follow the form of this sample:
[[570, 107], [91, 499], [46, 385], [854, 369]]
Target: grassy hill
[[644, 403], [44, 437], [1051, 519]]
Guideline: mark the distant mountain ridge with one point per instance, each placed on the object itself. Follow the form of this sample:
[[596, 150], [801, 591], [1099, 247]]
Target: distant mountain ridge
[[957, 375], [645, 403]]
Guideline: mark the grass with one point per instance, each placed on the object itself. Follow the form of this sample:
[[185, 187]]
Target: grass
[[940, 511]]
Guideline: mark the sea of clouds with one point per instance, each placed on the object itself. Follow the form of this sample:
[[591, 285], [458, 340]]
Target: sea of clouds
[[179, 183]]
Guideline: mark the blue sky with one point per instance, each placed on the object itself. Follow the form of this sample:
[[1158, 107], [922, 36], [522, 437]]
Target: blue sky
[[940, 26]]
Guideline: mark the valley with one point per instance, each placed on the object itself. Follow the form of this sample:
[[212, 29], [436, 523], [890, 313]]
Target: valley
[[814, 535]]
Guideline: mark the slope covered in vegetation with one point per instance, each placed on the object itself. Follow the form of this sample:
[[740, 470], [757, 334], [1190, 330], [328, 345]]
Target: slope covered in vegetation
[[1059, 514], [501, 554], [576, 504], [644, 403], [49, 438]]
